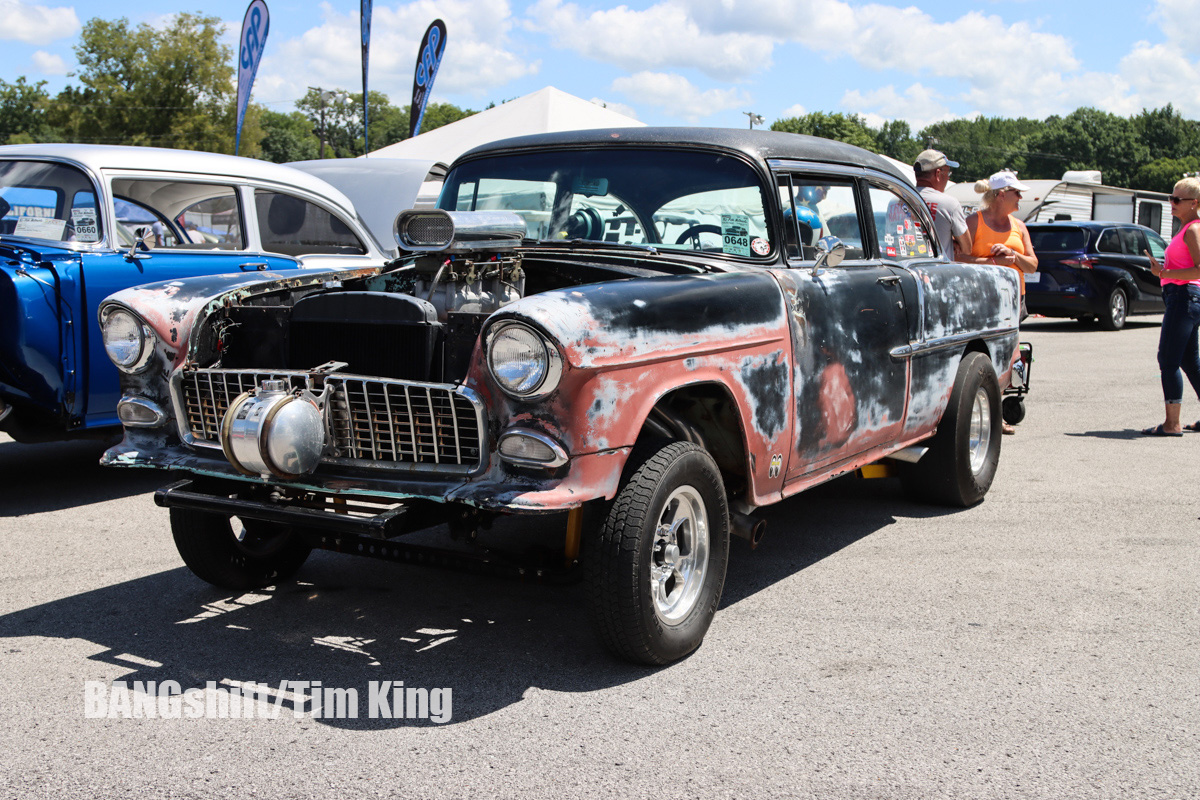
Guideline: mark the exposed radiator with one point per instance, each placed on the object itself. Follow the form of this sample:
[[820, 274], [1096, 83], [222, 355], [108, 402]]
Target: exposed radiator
[[370, 421]]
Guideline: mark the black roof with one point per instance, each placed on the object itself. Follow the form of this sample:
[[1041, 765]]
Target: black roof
[[757, 145], [1087, 224]]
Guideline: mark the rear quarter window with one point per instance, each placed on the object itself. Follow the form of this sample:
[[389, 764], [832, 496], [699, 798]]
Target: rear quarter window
[[1058, 239]]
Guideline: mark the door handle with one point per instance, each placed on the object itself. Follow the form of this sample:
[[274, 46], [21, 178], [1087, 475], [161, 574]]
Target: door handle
[[888, 280], [253, 266]]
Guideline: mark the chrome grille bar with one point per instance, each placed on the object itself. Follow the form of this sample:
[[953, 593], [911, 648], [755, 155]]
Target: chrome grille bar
[[366, 417]]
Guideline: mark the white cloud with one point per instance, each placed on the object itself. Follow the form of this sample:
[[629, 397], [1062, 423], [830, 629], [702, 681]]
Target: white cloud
[[1180, 22], [918, 105], [676, 96], [329, 55], [35, 24], [620, 108], [796, 110], [49, 63], [665, 34], [1162, 74]]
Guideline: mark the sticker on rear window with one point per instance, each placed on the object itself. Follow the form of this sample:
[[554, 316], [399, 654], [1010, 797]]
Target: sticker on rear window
[[735, 234], [87, 229]]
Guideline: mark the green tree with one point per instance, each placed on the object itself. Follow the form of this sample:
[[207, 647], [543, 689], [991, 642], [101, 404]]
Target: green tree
[[342, 116], [894, 138], [1166, 134], [171, 87], [24, 112], [1088, 138], [1162, 174], [288, 137], [851, 129], [982, 145]]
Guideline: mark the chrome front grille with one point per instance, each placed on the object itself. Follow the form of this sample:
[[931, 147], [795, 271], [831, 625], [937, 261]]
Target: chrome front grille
[[370, 421]]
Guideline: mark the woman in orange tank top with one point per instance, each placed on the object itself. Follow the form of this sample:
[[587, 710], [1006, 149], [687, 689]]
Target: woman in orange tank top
[[997, 237]]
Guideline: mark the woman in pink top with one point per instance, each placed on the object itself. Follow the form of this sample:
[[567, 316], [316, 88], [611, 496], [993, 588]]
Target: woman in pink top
[[1179, 341]]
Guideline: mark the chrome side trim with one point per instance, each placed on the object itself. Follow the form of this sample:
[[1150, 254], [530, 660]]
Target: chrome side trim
[[946, 342]]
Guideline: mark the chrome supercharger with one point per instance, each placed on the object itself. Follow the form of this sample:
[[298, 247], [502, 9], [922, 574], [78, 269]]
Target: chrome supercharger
[[274, 430]]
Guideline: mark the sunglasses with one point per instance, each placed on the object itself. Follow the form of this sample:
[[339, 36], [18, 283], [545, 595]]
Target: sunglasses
[[1175, 199]]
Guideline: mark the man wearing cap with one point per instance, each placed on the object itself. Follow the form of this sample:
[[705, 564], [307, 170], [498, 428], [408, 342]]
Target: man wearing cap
[[932, 170]]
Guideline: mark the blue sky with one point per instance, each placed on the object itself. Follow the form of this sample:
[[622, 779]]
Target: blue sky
[[702, 62]]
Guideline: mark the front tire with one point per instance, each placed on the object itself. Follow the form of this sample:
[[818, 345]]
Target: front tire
[[257, 555], [1116, 310], [963, 455], [656, 568]]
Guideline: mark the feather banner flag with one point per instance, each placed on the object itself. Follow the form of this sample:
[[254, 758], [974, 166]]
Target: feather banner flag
[[253, 42], [365, 18], [429, 57]]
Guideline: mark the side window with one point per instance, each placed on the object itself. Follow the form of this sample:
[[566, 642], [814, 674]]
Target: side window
[[1133, 241], [814, 208], [1158, 248], [293, 226], [1109, 242], [85, 219], [180, 214], [1150, 214], [132, 215], [898, 228]]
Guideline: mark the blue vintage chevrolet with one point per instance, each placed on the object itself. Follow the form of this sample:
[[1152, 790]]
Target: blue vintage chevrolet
[[79, 222]]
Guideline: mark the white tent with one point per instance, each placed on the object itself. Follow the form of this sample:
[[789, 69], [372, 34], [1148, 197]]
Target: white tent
[[543, 111]]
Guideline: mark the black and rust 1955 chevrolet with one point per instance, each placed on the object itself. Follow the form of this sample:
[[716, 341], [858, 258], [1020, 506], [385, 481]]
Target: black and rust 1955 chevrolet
[[655, 330]]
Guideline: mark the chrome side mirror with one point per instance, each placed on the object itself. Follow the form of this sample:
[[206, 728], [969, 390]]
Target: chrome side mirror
[[140, 237], [830, 252]]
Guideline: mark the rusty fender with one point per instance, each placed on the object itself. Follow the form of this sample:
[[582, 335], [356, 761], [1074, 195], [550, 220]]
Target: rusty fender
[[630, 343]]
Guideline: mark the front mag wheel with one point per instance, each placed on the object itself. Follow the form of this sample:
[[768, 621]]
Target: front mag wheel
[[245, 555], [963, 455], [656, 568]]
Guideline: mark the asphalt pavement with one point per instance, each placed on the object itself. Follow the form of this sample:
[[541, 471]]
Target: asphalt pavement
[[1043, 644]]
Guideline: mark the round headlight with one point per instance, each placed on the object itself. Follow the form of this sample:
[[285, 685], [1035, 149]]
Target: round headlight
[[522, 362], [125, 340]]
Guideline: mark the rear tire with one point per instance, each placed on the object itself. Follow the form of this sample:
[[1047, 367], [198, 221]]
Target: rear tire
[[259, 554], [1116, 310], [656, 568], [963, 455]]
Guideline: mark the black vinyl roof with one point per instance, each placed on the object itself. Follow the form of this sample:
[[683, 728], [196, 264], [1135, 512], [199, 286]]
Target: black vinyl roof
[[757, 145]]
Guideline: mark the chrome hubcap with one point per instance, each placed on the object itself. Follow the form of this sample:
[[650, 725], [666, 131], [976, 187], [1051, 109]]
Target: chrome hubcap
[[680, 555], [981, 430]]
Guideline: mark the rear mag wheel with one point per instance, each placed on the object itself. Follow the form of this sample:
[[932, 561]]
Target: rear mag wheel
[[1116, 310], [963, 455]]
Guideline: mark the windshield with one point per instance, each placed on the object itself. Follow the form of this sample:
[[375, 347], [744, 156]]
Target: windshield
[[666, 198], [55, 202]]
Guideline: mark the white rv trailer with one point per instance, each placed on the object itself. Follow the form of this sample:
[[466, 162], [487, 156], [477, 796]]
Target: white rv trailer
[[1081, 196]]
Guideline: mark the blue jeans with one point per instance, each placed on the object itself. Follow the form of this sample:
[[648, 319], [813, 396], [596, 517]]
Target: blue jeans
[[1178, 343]]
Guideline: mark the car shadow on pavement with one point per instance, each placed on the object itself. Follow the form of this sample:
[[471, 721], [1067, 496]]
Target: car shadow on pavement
[[36, 478], [347, 621], [1067, 325], [814, 525], [1129, 434]]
